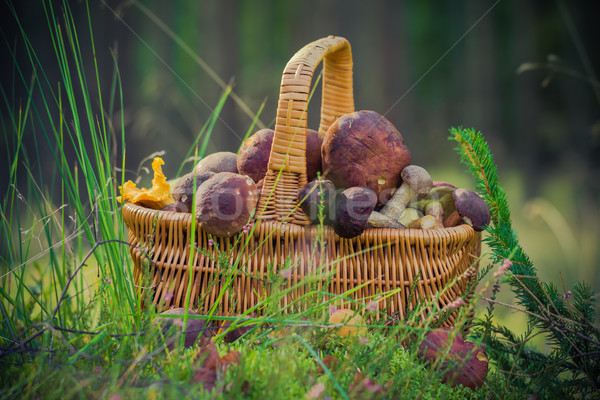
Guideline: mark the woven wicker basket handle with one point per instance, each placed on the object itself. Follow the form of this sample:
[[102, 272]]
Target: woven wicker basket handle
[[288, 153]]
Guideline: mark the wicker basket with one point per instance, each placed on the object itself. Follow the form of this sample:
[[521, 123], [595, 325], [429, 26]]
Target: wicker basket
[[380, 260]]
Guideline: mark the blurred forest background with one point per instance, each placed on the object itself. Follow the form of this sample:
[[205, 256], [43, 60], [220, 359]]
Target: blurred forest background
[[522, 72]]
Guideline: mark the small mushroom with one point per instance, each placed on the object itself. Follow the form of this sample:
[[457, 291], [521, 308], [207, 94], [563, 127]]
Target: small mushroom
[[195, 327], [222, 161], [471, 208], [225, 203], [416, 181], [437, 203], [352, 210], [465, 363], [379, 220], [318, 193]]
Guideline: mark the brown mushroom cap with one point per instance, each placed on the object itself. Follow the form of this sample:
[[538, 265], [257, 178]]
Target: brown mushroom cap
[[225, 203], [222, 161], [313, 153], [466, 363], [311, 195], [253, 159], [443, 183], [364, 149], [417, 178], [472, 208], [352, 210], [195, 327], [183, 189]]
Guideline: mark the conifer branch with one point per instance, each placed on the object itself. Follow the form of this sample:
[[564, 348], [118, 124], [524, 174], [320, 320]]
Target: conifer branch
[[568, 317]]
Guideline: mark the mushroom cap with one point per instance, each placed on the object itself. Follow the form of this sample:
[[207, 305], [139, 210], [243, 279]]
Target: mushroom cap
[[309, 198], [183, 189], [417, 178], [443, 183], [222, 161], [313, 153], [253, 159], [352, 210], [363, 148], [195, 327], [465, 363], [472, 207], [225, 203]]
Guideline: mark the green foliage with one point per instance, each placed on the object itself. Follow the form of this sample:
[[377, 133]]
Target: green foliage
[[572, 366]]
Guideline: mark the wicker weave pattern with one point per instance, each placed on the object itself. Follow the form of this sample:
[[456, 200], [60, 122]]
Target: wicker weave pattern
[[383, 260]]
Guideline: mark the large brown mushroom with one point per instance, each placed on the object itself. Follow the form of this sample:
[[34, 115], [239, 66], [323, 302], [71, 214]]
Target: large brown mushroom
[[365, 149], [222, 161], [465, 363], [225, 203], [352, 210], [253, 159]]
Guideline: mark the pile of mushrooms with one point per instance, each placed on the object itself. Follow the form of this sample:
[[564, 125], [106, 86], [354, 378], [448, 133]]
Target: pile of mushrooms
[[369, 181], [360, 175], [422, 203]]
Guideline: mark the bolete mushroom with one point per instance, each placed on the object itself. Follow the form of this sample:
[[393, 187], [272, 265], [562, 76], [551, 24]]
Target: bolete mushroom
[[253, 159], [314, 142], [225, 203], [379, 220], [408, 215], [183, 189], [425, 222], [416, 181], [466, 363], [222, 161], [195, 327], [470, 208], [364, 149], [352, 210], [314, 194], [437, 203]]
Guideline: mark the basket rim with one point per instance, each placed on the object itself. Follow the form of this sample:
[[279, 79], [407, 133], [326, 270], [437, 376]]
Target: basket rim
[[407, 233]]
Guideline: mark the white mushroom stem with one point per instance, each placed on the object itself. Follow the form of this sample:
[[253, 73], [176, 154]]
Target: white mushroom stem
[[426, 222], [409, 214], [416, 181], [379, 220], [396, 205], [436, 210]]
